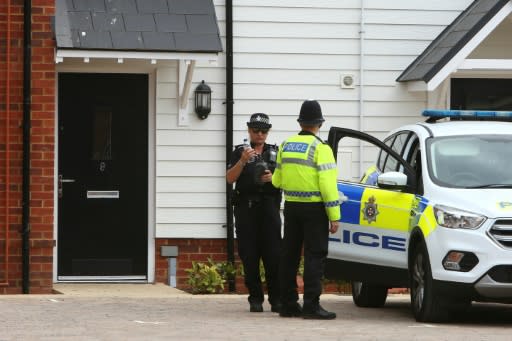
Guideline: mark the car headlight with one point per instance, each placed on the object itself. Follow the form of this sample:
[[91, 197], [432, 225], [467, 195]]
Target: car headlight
[[457, 219]]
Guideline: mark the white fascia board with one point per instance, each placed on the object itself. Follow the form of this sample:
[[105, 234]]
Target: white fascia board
[[61, 54], [486, 64], [456, 61]]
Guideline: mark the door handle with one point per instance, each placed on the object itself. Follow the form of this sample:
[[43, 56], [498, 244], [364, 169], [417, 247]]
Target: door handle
[[61, 181]]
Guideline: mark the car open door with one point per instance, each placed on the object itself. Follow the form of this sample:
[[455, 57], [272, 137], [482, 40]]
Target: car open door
[[372, 240]]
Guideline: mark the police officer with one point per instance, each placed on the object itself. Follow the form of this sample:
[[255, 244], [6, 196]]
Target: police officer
[[257, 218], [307, 172]]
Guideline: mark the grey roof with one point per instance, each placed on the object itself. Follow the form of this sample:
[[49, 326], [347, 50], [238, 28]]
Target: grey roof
[[137, 25], [451, 40]]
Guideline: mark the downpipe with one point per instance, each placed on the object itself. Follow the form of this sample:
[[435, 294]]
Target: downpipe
[[229, 138], [25, 218]]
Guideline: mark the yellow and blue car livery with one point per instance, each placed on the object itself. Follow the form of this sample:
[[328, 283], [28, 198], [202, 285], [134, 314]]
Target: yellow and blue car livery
[[379, 220]]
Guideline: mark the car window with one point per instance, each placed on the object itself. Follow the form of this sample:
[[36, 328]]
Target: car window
[[413, 157], [400, 141], [382, 154], [397, 144], [381, 150]]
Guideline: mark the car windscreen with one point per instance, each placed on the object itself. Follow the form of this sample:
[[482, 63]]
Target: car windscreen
[[474, 161]]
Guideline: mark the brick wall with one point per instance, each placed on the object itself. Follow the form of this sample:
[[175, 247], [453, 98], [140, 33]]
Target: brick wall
[[200, 250], [190, 250], [42, 147]]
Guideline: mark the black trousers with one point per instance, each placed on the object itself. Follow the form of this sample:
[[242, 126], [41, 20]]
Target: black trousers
[[258, 231], [308, 224]]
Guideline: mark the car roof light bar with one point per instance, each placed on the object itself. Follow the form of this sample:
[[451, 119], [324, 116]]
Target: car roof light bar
[[467, 115]]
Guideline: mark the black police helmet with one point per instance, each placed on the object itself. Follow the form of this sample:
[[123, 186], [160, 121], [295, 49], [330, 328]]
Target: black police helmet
[[310, 113], [259, 120]]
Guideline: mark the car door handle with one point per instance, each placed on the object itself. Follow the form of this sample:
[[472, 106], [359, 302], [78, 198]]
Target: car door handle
[[67, 180]]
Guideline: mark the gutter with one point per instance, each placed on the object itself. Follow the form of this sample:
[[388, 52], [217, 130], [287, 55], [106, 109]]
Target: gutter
[[27, 34], [229, 136]]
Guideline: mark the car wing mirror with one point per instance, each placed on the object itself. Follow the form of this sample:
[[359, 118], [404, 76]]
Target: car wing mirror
[[392, 180]]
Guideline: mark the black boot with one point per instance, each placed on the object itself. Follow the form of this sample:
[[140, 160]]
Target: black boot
[[276, 307], [318, 313], [255, 307], [290, 310]]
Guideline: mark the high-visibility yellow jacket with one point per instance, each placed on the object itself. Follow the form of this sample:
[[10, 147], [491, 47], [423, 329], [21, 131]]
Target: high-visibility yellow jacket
[[307, 172]]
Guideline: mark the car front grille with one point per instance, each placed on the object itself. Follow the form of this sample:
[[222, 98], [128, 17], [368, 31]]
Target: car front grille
[[501, 232]]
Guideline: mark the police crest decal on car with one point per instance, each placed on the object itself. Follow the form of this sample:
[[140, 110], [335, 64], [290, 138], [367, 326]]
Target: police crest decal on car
[[370, 210]]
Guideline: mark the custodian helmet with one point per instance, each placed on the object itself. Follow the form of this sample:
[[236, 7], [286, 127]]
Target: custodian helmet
[[310, 113]]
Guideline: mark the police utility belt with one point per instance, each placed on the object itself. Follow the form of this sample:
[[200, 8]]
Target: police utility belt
[[252, 199]]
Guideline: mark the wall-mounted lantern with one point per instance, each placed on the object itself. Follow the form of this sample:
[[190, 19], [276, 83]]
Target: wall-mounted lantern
[[203, 97]]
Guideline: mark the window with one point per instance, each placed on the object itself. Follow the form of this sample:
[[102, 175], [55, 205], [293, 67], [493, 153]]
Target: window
[[397, 142], [102, 134]]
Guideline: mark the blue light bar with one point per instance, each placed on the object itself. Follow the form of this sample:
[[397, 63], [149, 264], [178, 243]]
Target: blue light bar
[[466, 114]]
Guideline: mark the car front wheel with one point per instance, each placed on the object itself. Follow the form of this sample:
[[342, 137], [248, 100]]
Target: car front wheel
[[426, 305]]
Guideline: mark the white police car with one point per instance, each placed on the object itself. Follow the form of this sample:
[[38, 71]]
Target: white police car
[[434, 215]]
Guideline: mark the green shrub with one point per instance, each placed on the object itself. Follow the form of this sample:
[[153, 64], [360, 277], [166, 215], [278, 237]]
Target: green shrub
[[205, 278], [300, 271], [227, 270]]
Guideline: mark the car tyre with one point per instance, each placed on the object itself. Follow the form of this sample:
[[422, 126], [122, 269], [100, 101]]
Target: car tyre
[[426, 305], [367, 295]]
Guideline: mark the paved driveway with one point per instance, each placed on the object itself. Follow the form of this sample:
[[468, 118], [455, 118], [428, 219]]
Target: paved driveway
[[157, 312]]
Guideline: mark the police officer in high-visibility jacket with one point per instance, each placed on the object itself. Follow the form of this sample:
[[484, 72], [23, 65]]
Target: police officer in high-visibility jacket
[[307, 173]]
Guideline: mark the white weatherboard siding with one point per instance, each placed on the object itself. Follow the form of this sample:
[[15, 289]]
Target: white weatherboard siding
[[190, 167], [284, 52]]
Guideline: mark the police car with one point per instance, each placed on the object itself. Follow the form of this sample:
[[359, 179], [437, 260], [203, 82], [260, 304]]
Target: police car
[[434, 214]]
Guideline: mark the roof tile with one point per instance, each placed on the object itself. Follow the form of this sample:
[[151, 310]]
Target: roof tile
[[190, 42], [152, 6], [158, 41], [108, 22], [92, 39], [201, 23], [141, 23], [127, 40], [121, 6], [157, 25], [80, 20], [90, 5], [191, 6], [170, 23]]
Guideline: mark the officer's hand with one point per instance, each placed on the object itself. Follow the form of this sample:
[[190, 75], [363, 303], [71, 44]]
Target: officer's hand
[[247, 154], [267, 176], [334, 226]]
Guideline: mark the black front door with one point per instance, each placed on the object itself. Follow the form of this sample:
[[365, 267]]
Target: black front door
[[102, 176]]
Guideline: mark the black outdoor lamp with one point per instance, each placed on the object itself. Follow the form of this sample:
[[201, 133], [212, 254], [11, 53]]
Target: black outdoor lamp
[[203, 95]]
